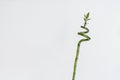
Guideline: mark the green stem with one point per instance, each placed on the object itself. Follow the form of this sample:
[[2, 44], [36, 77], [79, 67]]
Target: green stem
[[76, 60], [86, 38]]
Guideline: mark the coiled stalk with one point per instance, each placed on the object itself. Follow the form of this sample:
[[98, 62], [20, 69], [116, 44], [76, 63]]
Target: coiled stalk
[[87, 38]]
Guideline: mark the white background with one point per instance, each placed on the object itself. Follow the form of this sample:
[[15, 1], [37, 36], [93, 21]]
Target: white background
[[38, 39]]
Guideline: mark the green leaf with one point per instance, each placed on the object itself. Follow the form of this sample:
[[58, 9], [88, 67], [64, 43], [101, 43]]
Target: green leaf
[[87, 15]]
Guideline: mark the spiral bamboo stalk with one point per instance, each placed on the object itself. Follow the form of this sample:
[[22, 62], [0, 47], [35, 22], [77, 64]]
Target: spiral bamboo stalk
[[86, 38]]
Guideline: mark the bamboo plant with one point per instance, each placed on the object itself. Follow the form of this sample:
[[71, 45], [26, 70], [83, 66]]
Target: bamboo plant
[[87, 38]]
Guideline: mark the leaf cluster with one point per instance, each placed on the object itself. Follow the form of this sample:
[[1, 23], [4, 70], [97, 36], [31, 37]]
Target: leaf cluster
[[86, 17]]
